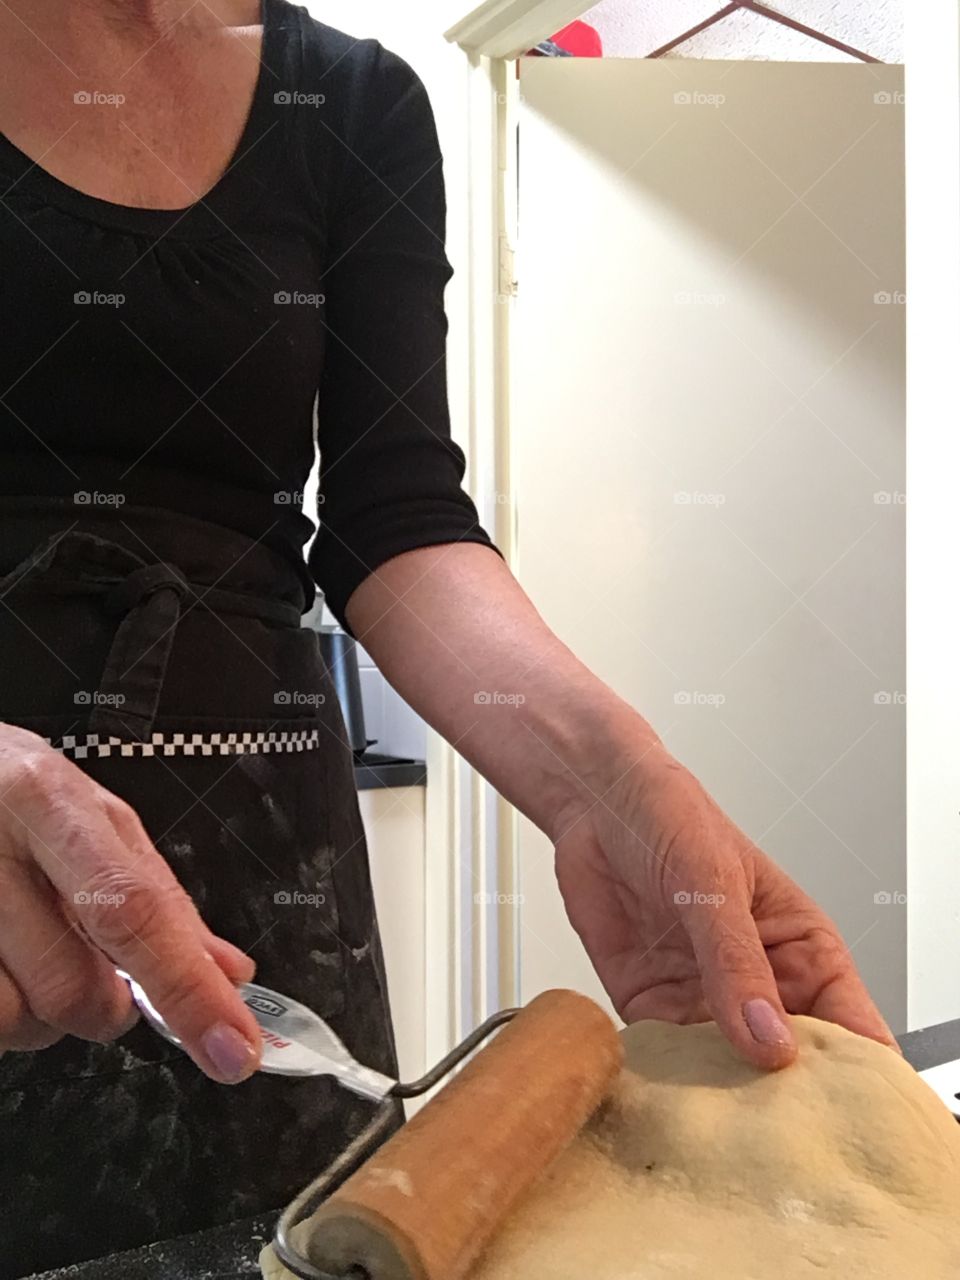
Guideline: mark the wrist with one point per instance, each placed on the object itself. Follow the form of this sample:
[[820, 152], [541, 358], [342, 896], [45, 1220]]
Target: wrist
[[616, 747]]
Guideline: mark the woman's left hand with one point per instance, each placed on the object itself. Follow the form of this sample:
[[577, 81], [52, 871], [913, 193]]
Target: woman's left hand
[[685, 919]]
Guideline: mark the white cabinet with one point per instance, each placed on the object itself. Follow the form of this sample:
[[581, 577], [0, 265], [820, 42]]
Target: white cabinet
[[393, 818]]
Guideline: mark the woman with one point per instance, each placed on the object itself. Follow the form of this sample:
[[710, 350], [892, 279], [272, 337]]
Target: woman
[[211, 211]]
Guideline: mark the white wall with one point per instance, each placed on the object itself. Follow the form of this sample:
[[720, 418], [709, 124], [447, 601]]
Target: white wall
[[709, 402]]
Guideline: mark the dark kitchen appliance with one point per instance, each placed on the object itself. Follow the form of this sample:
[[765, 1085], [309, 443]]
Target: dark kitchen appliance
[[373, 770], [339, 652]]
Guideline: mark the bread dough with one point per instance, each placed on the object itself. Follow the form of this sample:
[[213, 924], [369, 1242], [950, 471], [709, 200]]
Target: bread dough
[[845, 1166]]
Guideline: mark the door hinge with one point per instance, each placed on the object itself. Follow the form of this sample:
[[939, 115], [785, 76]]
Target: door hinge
[[507, 285]]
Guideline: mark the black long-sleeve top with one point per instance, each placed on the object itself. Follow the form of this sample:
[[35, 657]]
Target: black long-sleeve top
[[173, 357]]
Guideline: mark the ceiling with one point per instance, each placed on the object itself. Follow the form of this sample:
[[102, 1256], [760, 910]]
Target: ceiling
[[634, 28]]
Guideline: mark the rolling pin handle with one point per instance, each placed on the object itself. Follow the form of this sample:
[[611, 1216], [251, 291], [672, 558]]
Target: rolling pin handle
[[363, 1146]]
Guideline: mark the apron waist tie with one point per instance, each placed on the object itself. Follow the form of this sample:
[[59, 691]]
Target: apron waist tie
[[149, 601]]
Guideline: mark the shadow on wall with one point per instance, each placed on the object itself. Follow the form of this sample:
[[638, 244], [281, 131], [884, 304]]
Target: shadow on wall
[[705, 153]]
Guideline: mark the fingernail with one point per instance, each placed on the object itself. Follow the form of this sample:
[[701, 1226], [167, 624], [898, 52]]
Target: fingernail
[[766, 1025], [230, 1053]]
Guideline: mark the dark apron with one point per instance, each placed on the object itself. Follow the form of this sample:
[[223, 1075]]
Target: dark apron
[[165, 656]]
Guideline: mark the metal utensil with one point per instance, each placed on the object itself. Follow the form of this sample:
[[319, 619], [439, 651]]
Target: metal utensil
[[296, 1041]]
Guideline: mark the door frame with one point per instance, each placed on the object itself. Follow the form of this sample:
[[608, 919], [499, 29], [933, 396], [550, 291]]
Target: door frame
[[932, 120], [471, 832], [508, 28]]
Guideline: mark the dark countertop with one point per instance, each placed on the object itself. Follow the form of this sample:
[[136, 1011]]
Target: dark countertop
[[376, 771], [230, 1252], [931, 1046], [224, 1253]]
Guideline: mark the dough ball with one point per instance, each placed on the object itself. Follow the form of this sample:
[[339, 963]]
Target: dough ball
[[845, 1165]]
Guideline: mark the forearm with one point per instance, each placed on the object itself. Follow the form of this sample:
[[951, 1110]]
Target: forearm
[[453, 631]]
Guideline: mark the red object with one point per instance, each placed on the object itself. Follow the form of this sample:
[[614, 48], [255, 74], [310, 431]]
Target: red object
[[580, 39]]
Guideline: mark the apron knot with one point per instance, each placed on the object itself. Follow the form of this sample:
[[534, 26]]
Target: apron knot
[[142, 583], [148, 601]]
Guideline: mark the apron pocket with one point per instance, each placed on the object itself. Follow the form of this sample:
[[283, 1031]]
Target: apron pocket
[[251, 839]]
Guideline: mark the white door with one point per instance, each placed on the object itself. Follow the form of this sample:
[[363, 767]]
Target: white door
[[707, 443]]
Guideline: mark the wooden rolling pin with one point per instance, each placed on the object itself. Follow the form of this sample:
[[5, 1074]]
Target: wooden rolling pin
[[425, 1204]]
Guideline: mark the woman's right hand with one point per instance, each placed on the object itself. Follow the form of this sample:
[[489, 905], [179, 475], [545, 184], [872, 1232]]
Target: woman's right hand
[[83, 891]]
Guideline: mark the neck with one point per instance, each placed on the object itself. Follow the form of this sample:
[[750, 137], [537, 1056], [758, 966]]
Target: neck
[[156, 18]]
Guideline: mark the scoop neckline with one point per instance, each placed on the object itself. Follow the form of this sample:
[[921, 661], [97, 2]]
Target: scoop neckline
[[56, 192]]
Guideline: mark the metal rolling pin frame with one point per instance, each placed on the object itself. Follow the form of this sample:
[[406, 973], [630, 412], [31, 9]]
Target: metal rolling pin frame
[[363, 1146]]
